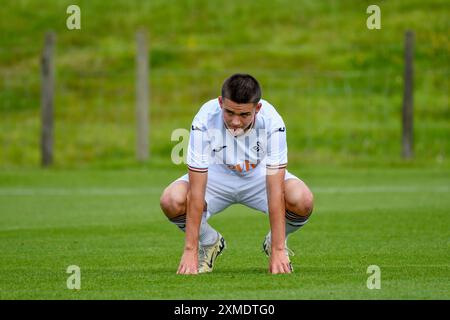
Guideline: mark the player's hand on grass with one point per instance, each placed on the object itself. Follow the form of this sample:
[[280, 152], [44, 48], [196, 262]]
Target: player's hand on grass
[[188, 263], [279, 262]]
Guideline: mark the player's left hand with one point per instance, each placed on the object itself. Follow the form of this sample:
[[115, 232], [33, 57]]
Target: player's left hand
[[188, 263], [279, 262]]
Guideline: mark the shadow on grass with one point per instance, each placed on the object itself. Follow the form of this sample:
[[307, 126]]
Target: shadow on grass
[[220, 271]]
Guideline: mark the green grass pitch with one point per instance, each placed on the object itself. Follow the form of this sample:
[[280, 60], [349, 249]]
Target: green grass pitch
[[109, 224]]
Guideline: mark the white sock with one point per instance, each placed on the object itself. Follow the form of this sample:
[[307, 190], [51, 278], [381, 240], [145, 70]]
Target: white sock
[[208, 235], [292, 224], [179, 221]]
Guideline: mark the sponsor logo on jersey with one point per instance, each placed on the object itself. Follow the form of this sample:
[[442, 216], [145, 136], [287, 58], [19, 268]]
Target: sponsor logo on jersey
[[218, 149], [244, 167]]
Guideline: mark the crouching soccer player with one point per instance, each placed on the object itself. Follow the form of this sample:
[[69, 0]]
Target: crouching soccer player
[[237, 153]]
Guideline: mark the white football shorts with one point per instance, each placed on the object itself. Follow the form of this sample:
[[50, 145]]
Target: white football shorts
[[224, 189]]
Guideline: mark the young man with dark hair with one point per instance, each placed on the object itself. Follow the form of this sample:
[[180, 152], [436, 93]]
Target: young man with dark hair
[[237, 153]]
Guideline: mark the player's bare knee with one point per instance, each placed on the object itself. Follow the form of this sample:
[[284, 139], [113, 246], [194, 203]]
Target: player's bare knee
[[172, 204], [302, 203], [164, 202], [307, 203]]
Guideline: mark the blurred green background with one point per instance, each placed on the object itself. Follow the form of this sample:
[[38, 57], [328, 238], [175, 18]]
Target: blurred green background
[[338, 85]]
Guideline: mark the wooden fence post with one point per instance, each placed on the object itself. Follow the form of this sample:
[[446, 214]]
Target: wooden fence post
[[142, 97], [47, 99], [407, 112]]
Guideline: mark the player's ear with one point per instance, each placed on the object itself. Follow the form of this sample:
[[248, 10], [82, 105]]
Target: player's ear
[[220, 101], [258, 107]]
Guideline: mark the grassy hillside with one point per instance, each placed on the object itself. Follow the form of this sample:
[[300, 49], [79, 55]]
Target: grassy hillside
[[337, 84]]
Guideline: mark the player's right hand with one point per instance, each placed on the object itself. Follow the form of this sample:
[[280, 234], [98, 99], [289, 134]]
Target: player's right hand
[[279, 262], [188, 263]]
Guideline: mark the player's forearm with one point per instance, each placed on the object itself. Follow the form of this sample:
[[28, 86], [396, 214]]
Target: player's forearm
[[194, 208], [276, 204], [194, 212], [276, 218]]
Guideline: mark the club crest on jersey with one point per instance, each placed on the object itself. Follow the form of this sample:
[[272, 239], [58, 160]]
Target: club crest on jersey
[[258, 146]]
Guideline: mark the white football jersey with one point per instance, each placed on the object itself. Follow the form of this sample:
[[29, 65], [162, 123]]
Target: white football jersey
[[212, 146]]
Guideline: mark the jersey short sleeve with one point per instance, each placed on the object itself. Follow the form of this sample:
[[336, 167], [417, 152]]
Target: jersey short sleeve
[[276, 145], [198, 148]]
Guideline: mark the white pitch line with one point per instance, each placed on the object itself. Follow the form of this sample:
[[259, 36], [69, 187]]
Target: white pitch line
[[382, 189], [77, 191], [99, 191]]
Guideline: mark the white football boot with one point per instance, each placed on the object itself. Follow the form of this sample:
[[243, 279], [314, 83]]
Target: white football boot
[[207, 255], [267, 248]]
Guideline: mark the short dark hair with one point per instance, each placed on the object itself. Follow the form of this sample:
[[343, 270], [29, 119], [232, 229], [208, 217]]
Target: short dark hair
[[241, 88]]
